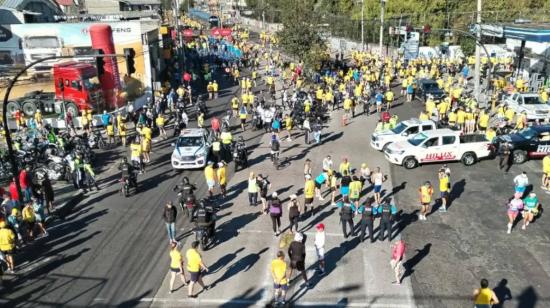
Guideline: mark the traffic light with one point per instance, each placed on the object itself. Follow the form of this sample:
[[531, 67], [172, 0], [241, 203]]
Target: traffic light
[[100, 62], [129, 55]]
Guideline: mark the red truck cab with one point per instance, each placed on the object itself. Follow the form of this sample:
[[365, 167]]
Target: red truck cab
[[77, 85]]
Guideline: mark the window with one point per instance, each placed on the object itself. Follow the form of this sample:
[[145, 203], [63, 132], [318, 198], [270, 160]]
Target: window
[[449, 140], [426, 127], [432, 142], [66, 83], [75, 84], [412, 130]]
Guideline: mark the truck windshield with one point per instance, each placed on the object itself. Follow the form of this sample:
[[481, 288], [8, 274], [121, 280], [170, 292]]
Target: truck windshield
[[532, 100], [417, 139], [91, 83], [399, 128], [42, 42], [528, 133], [194, 141]]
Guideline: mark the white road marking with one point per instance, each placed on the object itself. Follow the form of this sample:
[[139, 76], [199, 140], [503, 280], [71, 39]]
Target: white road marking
[[258, 303]]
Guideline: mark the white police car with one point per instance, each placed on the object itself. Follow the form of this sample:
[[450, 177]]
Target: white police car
[[191, 149]]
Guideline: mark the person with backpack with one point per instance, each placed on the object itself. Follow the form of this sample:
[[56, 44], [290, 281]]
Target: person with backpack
[[275, 212], [263, 185], [293, 212]]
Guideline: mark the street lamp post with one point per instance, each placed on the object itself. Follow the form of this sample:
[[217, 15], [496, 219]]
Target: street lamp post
[[363, 25], [478, 51], [382, 7]]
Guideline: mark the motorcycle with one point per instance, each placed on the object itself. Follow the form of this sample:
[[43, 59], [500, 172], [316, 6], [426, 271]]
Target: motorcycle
[[240, 157], [125, 187], [201, 235], [187, 204]]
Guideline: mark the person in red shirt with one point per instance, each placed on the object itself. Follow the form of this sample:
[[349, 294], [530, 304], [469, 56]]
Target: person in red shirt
[[13, 191], [397, 256], [24, 181], [215, 124]]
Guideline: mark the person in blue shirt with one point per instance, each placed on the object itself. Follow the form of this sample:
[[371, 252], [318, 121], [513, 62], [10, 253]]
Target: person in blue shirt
[[410, 92], [387, 212], [379, 99], [319, 181], [105, 118]]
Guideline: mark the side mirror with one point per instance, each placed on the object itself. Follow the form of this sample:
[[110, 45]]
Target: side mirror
[[404, 134]]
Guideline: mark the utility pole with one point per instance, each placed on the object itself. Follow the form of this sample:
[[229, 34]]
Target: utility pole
[[382, 7], [363, 25], [178, 33], [478, 52]]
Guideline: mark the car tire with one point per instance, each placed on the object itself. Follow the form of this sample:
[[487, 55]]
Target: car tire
[[410, 162], [469, 158], [519, 157]]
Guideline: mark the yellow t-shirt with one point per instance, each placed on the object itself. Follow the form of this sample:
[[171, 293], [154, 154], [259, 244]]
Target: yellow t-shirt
[[110, 130], [135, 150], [278, 271], [483, 120], [160, 121], [546, 164], [175, 258], [209, 173], [221, 175], [444, 184], [147, 133], [461, 116], [309, 189], [193, 260], [355, 189]]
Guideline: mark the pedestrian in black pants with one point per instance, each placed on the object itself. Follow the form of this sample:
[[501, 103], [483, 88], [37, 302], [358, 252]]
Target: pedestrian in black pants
[[386, 211], [293, 212], [504, 154], [367, 220], [297, 255], [346, 217], [275, 212]]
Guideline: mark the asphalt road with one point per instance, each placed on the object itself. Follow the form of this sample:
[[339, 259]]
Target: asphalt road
[[111, 250], [451, 252]]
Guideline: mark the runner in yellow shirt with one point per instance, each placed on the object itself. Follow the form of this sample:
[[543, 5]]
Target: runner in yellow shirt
[[210, 177], [222, 179], [280, 279]]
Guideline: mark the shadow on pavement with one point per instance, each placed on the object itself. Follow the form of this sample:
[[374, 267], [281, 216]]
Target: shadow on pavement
[[230, 228], [502, 292], [243, 264], [412, 262], [248, 298]]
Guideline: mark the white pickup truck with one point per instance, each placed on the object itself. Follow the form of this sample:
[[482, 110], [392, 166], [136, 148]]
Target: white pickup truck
[[403, 130], [531, 103], [438, 145]]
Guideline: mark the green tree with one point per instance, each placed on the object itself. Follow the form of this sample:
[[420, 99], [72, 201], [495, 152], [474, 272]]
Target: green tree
[[300, 35]]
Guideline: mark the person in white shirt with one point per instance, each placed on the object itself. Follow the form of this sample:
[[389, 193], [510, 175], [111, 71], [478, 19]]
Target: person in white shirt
[[320, 247], [327, 163], [521, 181]]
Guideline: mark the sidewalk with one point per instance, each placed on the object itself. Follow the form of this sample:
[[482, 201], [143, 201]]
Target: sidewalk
[[358, 274]]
